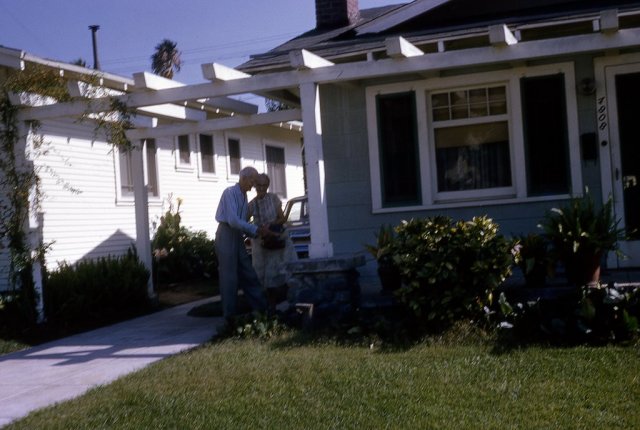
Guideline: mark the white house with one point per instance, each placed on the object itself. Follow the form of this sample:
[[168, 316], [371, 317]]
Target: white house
[[87, 186]]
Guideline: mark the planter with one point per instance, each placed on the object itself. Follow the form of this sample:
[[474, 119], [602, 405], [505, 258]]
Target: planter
[[389, 277], [584, 270]]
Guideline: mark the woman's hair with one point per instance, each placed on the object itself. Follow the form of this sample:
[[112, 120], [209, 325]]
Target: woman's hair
[[263, 176]]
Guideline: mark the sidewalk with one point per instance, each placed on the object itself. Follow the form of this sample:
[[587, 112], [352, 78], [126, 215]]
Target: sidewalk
[[66, 368]]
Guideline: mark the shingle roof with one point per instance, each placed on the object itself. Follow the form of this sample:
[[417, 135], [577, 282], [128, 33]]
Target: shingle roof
[[421, 18]]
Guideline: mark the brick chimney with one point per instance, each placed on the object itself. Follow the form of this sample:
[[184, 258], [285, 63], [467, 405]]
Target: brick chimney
[[336, 13]]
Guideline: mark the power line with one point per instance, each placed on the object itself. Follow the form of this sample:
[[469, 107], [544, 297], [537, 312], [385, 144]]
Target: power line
[[219, 47]]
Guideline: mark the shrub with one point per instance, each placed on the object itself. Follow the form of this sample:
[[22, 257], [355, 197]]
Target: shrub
[[449, 270], [606, 314], [534, 261], [181, 254], [96, 290]]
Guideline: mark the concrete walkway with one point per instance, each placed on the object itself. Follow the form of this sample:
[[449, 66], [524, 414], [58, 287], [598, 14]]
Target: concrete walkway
[[66, 368]]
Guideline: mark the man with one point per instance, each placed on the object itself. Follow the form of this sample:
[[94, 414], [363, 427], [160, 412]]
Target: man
[[234, 263]]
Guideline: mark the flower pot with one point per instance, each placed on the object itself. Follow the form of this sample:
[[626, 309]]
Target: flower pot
[[584, 269], [389, 277]]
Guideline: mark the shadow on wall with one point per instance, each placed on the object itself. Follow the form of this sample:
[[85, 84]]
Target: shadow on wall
[[115, 245]]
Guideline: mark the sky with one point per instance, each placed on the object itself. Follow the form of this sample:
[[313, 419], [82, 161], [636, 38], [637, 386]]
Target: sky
[[206, 31]]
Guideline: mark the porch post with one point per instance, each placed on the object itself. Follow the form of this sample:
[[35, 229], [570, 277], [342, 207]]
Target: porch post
[[34, 222], [141, 198], [320, 246]]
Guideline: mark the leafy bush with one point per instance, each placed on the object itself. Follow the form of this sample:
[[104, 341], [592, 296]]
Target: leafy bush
[[181, 254], [96, 290], [607, 314], [16, 311], [449, 270], [535, 261]]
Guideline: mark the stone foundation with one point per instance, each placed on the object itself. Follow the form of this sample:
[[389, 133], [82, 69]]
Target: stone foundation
[[325, 290]]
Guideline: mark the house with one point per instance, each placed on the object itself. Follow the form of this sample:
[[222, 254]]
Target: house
[[464, 108], [451, 107], [88, 206]]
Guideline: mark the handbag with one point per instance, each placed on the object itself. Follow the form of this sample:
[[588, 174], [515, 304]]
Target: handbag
[[274, 242]]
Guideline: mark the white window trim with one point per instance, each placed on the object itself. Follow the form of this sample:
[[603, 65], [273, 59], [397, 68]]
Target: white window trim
[[227, 136], [278, 145], [517, 193], [208, 176], [130, 200], [180, 166]]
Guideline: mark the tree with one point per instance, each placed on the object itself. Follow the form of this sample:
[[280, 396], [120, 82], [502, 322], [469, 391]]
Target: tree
[[79, 62], [166, 60], [275, 105]]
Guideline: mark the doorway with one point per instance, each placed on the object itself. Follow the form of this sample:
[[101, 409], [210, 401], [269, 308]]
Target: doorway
[[618, 115]]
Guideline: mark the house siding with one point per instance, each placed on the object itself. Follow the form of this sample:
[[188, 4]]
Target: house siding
[[348, 183]]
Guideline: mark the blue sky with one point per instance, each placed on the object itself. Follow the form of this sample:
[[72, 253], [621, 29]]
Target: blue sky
[[222, 31]]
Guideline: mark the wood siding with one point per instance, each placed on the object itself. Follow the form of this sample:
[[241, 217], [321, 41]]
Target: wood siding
[[82, 213]]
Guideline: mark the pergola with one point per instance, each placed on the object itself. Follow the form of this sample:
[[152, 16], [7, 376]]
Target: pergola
[[307, 72]]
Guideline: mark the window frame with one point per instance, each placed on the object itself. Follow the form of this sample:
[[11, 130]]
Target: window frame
[[129, 199], [266, 165], [207, 176], [482, 193], [517, 192], [180, 166], [227, 138]]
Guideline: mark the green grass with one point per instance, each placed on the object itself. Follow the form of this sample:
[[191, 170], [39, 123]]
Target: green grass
[[283, 385]]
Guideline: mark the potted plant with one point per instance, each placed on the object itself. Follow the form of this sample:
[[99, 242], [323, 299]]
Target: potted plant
[[381, 251], [580, 234], [534, 261]]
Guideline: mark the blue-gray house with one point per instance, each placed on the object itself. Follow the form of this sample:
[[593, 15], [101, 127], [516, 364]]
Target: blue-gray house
[[463, 108]]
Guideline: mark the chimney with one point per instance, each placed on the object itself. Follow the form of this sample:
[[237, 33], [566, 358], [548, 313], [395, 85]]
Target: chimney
[[94, 42], [336, 13]]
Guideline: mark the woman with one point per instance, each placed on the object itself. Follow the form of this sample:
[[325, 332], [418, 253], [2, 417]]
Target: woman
[[266, 208]]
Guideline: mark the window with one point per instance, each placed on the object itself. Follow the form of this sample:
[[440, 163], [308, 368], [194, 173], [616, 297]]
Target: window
[[545, 135], [471, 139], [207, 155], [125, 167], [233, 146], [276, 170], [398, 149], [126, 173], [184, 151], [151, 168], [474, 139]]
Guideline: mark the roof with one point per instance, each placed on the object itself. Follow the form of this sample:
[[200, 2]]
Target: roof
[[420, 20]]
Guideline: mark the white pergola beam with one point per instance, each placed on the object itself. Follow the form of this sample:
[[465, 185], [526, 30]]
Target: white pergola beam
[[219, 72], [399, 47], [522, 51], [149, 81], [238, 121], [302, 59], [609, 21], [500, 35]]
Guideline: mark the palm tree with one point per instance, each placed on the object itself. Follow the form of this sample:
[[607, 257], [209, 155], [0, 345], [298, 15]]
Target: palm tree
[[166, 59]]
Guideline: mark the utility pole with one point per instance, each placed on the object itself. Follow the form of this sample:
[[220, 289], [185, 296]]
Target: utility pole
[[94, 29]]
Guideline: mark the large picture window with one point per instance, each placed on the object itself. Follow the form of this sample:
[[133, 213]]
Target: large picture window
[[504, 136], [471, 137]]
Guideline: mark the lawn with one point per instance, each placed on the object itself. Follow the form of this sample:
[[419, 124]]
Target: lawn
[[283, 383]]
